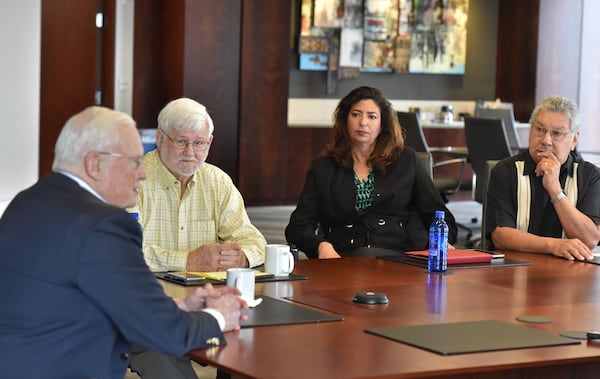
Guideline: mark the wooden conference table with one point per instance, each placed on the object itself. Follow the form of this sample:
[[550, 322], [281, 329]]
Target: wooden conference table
[[567, 292]]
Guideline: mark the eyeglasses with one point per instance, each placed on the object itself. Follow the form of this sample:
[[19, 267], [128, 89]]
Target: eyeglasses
[[181, 144], [137, 161], [556, 135]]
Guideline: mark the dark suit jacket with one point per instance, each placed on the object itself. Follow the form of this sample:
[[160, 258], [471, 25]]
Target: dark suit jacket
[[75, 291], [404, 205]]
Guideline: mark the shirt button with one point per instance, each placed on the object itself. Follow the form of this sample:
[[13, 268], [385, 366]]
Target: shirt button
[[124, 357]]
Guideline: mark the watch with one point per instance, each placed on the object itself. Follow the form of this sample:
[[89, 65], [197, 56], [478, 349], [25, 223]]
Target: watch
[[561, 195]]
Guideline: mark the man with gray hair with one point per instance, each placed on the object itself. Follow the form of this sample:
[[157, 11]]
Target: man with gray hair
[[546, 199], [192, 214], [80, 291]]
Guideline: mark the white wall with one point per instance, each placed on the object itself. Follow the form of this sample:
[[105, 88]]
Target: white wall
[[124, 24], [589, 93], [20, 24], [574, 72]]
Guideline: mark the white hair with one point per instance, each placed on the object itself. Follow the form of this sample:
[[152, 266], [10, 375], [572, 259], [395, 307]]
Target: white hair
[[93, 129], [184, 114]]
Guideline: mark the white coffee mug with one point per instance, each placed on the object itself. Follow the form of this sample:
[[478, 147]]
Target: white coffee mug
[[243, 280], [279, 261]]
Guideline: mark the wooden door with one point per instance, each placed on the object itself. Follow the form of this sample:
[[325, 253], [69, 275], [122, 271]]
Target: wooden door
[[74, 54]]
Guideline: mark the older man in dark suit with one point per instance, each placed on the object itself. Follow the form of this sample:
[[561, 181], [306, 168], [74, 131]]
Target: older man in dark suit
[[74, 287]]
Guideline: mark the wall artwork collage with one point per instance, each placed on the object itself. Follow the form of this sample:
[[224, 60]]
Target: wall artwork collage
[[348, 37]]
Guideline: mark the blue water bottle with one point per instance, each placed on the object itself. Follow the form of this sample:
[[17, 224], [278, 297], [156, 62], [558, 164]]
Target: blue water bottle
[[438, 244]]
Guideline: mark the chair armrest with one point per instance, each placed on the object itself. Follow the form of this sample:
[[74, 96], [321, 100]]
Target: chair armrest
[[450, 161], [462, 161], [458, 151]]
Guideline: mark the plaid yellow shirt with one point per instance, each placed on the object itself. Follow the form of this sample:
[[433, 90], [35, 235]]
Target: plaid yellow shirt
[[212, 210]]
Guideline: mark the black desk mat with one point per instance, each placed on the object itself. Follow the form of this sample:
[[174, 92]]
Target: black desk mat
[[281, 278], [498, 262], [273, 311], [258, 279], [163, 276], [471, 337], [595, 261]]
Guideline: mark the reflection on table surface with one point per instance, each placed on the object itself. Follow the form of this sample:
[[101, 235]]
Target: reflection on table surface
[[568, 292]]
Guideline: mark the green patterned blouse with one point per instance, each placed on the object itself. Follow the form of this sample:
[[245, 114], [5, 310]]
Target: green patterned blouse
[[364, 191]]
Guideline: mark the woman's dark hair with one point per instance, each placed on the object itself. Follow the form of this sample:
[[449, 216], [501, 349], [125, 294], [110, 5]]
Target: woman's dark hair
[[390, 141]]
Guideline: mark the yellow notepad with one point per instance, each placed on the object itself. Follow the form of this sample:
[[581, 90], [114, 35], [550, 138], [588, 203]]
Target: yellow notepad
[[222, 275]]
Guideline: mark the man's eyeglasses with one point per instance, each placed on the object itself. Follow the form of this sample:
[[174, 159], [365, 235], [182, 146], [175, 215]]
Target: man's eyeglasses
[[556, 135], [181, 144], [137, 161]]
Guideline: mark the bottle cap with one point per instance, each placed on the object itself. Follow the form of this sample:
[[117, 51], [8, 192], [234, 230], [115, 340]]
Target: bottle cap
[[440, 214]]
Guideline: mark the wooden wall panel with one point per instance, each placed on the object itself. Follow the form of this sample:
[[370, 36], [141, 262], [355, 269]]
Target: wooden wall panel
[[211, 72], [69, 52], [303, 145], [516, 60], [190, 48], [157, 57], [264, 78], [107, 82]]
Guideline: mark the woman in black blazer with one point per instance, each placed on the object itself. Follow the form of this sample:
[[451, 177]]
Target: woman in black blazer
[[368, 189]]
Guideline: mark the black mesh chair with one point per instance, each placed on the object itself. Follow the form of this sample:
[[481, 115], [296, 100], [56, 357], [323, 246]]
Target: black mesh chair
[[426, 162], [445, 184], [508, 118], [489, 165], [414, 137], [486, 140]]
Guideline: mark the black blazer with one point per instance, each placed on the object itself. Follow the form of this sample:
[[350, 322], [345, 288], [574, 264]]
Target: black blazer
[[75, 291], [403, 208]]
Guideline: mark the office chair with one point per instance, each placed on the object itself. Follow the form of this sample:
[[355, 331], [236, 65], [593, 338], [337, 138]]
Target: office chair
[[426, 162], [508, 117], [414, 137], [486, 140], [446, 185], [489, 165]]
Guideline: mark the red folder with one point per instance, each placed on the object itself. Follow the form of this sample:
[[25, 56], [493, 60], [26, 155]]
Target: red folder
[[458, 256]]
